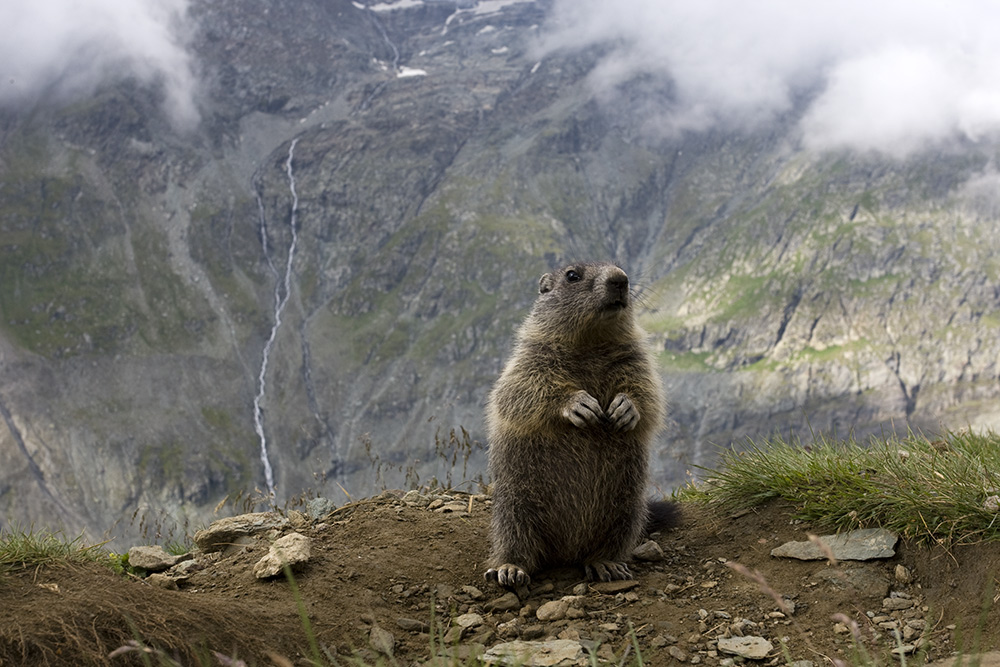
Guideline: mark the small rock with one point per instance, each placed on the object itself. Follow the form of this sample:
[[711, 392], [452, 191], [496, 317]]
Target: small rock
[[612, 587], [902, 574], [412, 625], [153, 559], [530, 632], [185, 569], [895, 604], [677, 654], [552, 611], [904, 649], [297, 519], [454, 507], [992, 504], [648, 551], [415, 499], [510, 630], [469, 620], [473, 592], [754, 648], [318, 508], [580, 589], [864, 544], [506, 602], [382, 640], [864, 581], [292, 549], [561, 652], [161, 580]]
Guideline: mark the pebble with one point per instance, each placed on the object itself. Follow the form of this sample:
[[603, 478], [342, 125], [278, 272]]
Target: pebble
[[754, 648], [382, 640], [895, 604], [648, 551], [509, 630], [902, 574], [506, 602], [163, 581], [677, 654], [612, 587], [473, 592], [469, 620], [412, 625], [552, 611]]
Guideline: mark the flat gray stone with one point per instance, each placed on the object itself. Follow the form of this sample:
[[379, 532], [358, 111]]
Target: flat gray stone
[[861, 580], [553, 653], [153, 559], [864, 544], [753, 648], [227, 531]]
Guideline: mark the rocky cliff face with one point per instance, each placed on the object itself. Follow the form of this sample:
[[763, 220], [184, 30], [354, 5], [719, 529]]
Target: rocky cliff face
[[411, 169]]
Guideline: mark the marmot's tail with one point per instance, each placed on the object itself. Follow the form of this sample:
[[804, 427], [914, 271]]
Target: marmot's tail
[[662, 514]]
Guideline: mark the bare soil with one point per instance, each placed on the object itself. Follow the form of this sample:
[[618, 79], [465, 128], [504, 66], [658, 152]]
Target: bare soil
[[379, 561]]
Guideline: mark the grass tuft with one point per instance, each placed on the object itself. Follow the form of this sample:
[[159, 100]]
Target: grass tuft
[[24, 549], [945, 490]]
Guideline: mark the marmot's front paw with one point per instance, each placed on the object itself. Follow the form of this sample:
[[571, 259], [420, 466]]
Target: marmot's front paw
[[607, 570], [508, 575], [583, 410], [622, 413]]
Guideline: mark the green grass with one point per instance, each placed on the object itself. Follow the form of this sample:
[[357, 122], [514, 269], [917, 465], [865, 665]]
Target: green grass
[[938, 490], [24, 549]]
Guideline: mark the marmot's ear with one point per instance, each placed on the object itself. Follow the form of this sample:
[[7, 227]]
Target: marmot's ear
[[546, 283]]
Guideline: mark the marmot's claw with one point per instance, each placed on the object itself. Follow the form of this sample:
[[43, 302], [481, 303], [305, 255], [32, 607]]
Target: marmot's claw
[[607, 570], [622, 413], [508, 576], [583, 410]]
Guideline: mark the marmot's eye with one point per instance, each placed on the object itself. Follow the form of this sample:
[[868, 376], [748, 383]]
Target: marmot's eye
[[572, 276]]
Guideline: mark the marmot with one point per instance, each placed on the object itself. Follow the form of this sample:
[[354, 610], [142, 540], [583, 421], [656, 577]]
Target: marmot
[[569, 423]]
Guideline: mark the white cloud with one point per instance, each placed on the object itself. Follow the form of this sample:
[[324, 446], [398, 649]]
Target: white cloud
[[890, 75], [65, 49]]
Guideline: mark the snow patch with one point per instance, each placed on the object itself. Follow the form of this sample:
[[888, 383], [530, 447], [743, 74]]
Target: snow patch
[[392, 6], [405, 72]]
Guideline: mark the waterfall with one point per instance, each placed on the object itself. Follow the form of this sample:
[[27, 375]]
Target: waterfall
[[282, 290]]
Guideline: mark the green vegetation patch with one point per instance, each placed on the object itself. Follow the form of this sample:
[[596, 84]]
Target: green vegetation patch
[[944, 490], [25, 549]]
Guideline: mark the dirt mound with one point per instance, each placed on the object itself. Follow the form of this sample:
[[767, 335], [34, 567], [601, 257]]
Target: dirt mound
[[390, 577]]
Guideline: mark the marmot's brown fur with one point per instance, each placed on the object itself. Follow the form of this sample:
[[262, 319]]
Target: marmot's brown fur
[[570, 422]]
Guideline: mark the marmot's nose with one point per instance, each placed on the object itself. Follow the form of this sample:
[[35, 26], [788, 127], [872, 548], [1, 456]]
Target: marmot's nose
[[618, 280]]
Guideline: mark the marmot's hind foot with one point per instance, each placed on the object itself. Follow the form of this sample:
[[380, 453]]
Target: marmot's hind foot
[[508, 576], [606, 570]]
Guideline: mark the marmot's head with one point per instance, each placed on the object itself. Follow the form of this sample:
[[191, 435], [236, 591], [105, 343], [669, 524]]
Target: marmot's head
[[581, 301]]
